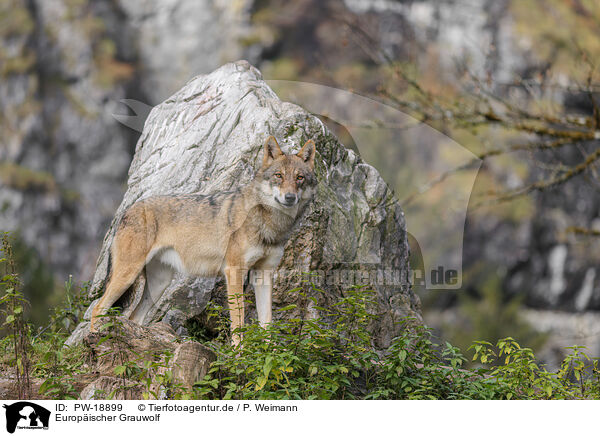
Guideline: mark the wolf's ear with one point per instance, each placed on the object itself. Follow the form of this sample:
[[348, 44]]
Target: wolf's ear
[[271, 152], [307, 153]]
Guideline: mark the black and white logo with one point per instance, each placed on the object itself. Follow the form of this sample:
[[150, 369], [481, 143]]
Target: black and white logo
[[26, 415]]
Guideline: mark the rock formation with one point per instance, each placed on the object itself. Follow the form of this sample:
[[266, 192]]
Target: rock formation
[[152, 351], [207, 138]]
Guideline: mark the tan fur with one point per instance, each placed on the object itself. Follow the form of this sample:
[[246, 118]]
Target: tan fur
[[229, 233]]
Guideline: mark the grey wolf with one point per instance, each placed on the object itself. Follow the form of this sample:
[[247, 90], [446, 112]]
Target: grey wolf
[[229, 233]]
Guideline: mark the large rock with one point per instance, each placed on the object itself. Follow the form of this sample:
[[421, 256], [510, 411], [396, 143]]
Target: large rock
[[149, 352], [208, 137]]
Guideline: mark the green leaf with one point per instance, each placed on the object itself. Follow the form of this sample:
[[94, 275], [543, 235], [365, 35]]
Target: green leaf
[[260, 383], [288, 307], [120, 369]]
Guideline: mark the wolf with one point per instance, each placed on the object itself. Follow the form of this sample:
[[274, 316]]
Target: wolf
[[230, 233]]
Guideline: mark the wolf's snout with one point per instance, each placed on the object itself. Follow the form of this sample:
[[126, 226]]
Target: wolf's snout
[[290, 198]]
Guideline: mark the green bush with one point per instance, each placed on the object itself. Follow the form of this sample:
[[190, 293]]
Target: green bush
[[332, 357], [41, 355], [61, 367], [298, 358]]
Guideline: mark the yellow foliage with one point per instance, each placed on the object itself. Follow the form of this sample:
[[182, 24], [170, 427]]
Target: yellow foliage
[[22, 178], [563, 32]]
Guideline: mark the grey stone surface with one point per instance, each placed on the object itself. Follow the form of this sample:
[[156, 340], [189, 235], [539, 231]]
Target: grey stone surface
[[179, 39], [191, 362]]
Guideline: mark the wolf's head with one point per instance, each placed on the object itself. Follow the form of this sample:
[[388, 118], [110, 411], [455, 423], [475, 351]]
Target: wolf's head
[[287, 180]]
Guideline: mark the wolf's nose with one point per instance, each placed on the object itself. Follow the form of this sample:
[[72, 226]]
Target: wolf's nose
[[290, 198]]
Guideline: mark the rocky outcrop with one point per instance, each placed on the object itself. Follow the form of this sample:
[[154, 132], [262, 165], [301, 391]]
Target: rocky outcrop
[[557, 269], [458, 33], [564, 329], [208, 137], [129, 359]]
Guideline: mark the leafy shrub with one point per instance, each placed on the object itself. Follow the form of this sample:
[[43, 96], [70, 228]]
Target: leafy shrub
[[41, 355], [61, 366], [298, 358], [12, 303], [332, 357]]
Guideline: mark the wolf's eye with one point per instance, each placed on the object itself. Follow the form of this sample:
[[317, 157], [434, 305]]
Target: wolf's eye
[[299, 177], [278, 175]]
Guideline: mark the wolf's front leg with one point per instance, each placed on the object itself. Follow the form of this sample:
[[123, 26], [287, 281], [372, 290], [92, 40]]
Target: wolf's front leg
[[235, 277], [262, 281], [262, 277]]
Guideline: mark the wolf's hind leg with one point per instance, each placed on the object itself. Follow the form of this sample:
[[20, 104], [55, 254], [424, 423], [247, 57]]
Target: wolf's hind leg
[[123, 276], [158, 279], [129, 258]]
